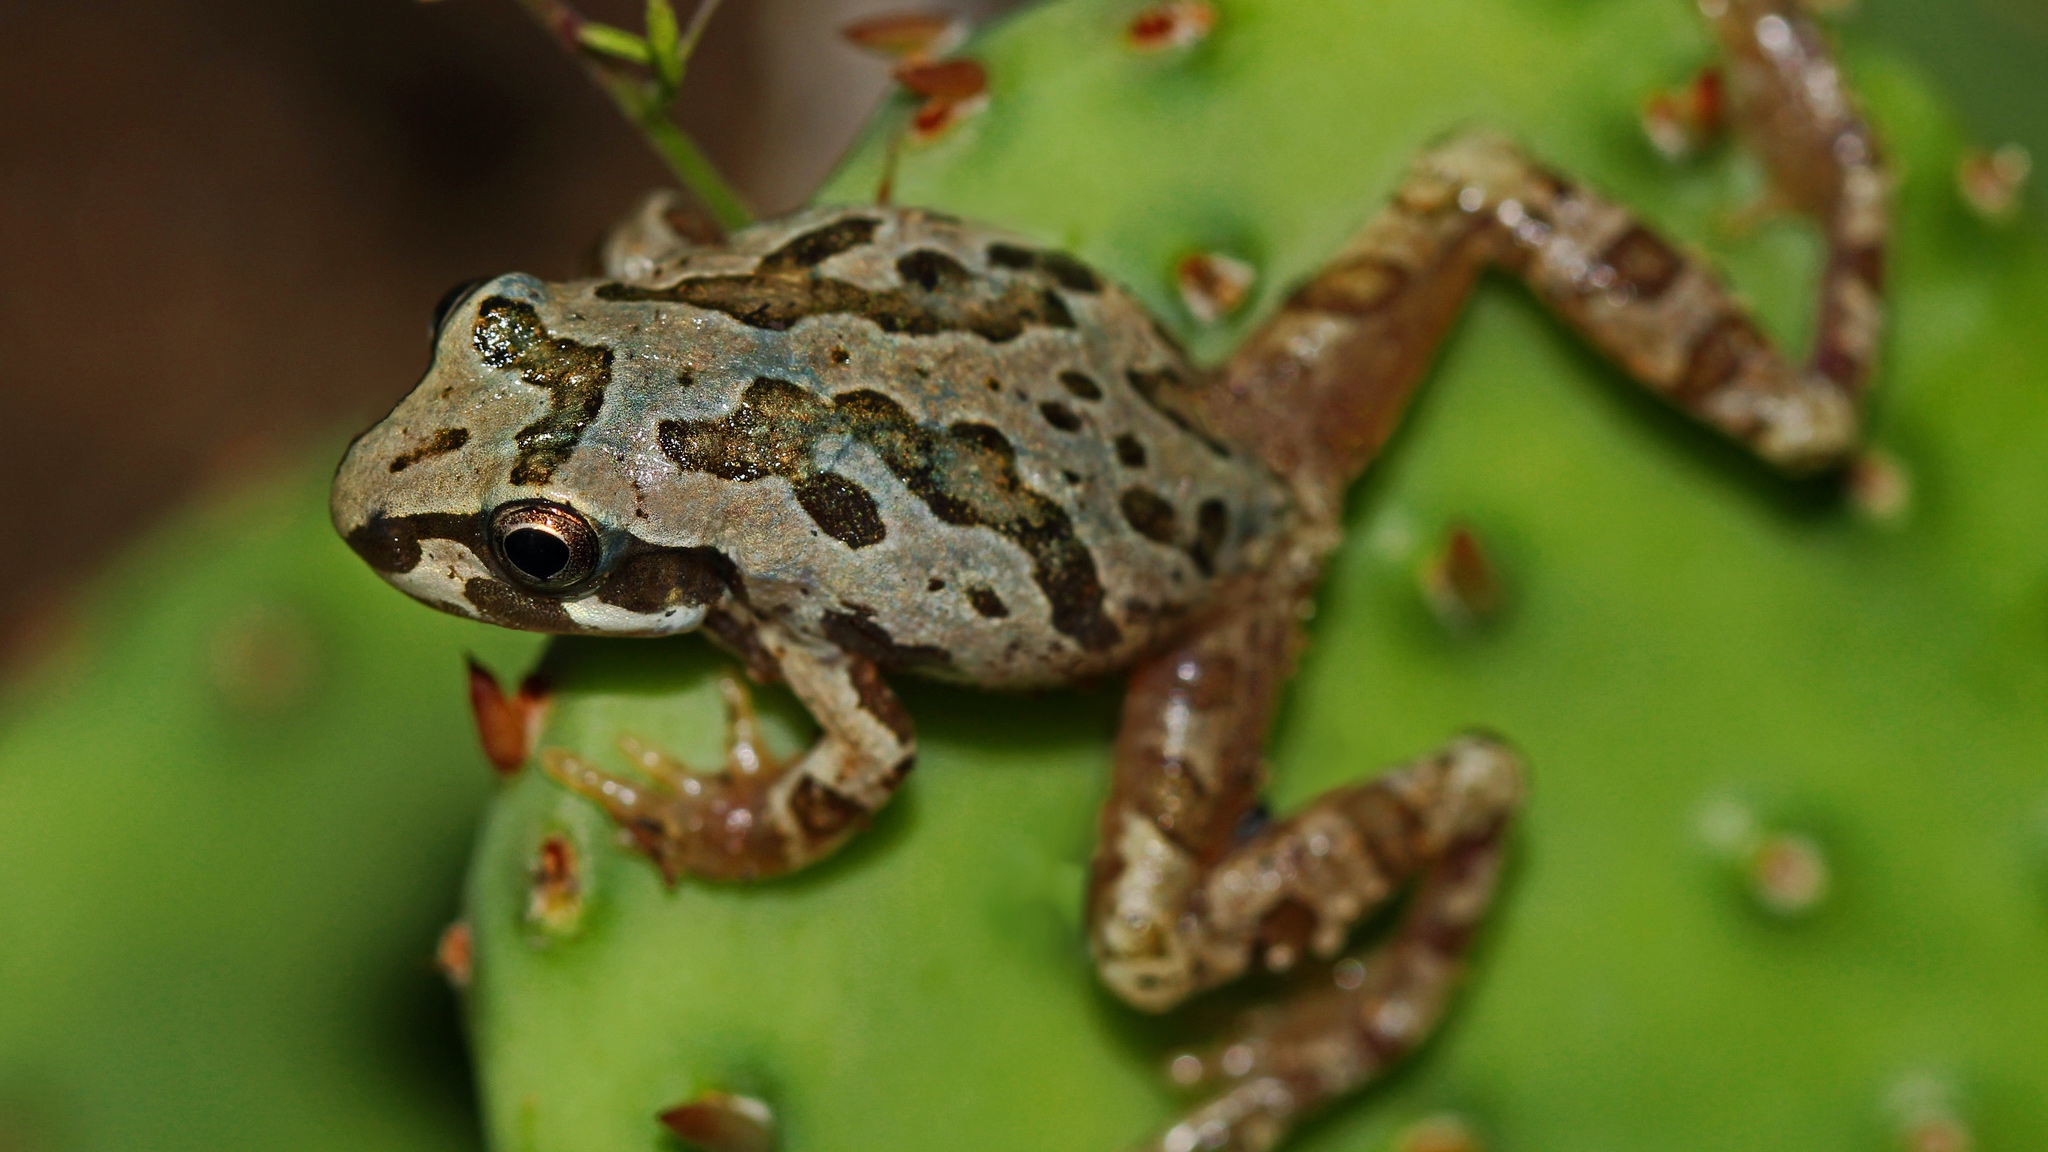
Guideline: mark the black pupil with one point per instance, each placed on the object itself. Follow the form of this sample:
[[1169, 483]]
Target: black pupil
[[539, 555]]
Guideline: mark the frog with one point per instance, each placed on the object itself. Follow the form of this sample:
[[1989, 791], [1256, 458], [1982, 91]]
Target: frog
[[866, 441]]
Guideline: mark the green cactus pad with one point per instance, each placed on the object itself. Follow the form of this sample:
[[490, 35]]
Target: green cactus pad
[[232, 815], [1783, 882]]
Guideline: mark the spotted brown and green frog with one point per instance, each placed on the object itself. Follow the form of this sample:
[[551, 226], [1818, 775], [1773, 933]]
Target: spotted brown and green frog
[[867, 441]]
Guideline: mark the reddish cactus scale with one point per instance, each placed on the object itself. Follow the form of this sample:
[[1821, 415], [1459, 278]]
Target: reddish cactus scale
[[455, 954], [1681, 123], [1213, 286], [1443, 1132], [1993, 183], [720, 1122], [950, 80], [1789, 874], [1939, 1134], [935, 116], [905, 35], [950, 89], [1880, 489], [1172, 24], [507, 725], [555, 901], [1461, 584]]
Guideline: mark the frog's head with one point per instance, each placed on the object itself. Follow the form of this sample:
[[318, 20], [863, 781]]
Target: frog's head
[[493, 490]]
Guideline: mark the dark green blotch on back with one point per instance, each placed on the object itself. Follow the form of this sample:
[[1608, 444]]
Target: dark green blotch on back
[[929, 269], [1071, 273], [1060, 416], [819, 245], [987, 603], [509, 334], [1212, 524], [774, 433], [1129, 451], [966, 474], [771, 433], [856, 631], [1149, 513], [1066, 271], [1080, 386], [842, 508], [1010, 256]]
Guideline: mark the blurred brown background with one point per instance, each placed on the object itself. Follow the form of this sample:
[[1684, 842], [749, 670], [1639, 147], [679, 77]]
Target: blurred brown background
[[223, 223]]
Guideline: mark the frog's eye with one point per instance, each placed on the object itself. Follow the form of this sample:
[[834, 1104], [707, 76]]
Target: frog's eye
[[447, 303], [547, 547]]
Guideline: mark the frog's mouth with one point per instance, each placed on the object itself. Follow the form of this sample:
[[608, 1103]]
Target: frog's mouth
[[494, 568]]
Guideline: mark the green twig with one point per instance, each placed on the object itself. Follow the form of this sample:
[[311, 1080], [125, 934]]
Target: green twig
[[699, 20], [616, 42], [608, 55], [665, 46]]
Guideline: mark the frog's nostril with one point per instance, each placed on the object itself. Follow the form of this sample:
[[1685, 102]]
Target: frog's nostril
[[538, 554], [547, 547]]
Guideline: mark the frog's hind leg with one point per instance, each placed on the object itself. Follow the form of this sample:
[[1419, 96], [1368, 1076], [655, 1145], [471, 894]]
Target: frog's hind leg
[[1183, 898], [1319, 389], [759, 817], [1178, 902], [1357, 1018]]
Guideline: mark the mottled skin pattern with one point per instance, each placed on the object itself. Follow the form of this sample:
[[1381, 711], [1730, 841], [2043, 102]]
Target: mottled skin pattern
[[864, 440]]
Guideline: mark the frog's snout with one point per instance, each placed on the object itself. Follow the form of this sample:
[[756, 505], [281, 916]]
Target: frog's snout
[[470, 496]]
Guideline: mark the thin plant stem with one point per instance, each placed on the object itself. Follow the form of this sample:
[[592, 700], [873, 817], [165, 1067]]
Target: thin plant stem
[[642, 104], [699, 20]]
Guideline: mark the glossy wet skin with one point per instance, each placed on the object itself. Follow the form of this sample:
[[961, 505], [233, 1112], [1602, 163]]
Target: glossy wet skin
[[917, 439]]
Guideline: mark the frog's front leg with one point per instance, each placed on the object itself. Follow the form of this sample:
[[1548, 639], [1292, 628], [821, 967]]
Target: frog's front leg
[[758, 818]]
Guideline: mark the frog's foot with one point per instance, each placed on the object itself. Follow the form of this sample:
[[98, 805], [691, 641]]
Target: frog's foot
[[717, 824], [1442, 818], [1166, 926], [760, 815], [1183, 900]]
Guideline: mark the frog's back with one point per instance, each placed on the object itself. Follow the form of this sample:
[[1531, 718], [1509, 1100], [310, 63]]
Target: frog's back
[[924, 440]]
